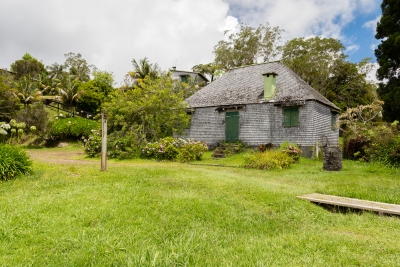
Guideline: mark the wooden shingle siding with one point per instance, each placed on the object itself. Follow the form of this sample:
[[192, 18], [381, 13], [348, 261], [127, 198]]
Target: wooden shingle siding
[[207, 125], [323, 126]]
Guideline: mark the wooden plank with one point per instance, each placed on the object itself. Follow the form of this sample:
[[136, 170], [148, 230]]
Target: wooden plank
[[354, 203]]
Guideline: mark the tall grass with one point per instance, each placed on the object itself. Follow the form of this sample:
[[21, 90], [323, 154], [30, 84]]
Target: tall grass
[[146, 213]]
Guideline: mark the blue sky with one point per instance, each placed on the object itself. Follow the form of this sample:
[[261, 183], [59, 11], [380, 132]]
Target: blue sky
[[109, 34]]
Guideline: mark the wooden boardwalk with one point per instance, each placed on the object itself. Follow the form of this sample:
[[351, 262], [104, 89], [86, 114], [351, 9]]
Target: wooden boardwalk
[[380, 207]]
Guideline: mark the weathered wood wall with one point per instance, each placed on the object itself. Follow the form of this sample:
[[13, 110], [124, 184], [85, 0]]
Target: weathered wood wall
[[262, 124]]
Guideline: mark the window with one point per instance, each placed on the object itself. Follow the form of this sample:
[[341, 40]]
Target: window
[[184, 78], [291, 117], [333, 120]]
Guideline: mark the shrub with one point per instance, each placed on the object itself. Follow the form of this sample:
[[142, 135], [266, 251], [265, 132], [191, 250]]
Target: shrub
[[34, 115], [383, 145], [292, 150], [269, 160], [170, 148], [119, 145], [191, 151], [74, 127], [93, 144], [14, 161]]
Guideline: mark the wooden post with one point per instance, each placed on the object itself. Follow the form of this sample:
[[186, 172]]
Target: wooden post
[[103, 141]]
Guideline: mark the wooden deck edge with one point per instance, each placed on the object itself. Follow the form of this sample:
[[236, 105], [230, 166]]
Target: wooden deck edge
[[379, 207]]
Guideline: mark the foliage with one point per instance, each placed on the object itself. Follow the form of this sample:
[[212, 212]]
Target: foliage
[[27, 90], [8, 102], [170, 148], [13, 131], [383, 145], [292, 150], [186, 88], [74, 127], [143, 69], [14, 161], [212, 70], [191, 151], [69, 90], [387, 54], [28, 65], [34, 115], [354, 118], [269, 160], [78, 66], [119, 145], [321, 62], [93, 143], [247, 45], [152, 110]]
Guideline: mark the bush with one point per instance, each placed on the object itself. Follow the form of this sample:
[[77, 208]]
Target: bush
[[34, 115], [93, 144], [75, 127], [119, 145], [170, 148], [14, 161], [383, 145], [191, 151], [291, 150], [269, 160]]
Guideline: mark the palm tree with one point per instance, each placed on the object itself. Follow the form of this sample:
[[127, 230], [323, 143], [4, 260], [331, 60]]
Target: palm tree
[[27, 90], [142, 69], [69, 90]]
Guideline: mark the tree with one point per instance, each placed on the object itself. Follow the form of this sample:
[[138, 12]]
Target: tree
[[78, 66], [142, 69], [151, 111], [69, 90], [247, 45], [28, 65], [95, 92], [8, 102], [211, 69], [388, 57], [322, 63], [27, 90]]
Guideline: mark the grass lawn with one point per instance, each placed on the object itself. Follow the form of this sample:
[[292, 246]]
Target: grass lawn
[[148, 213]]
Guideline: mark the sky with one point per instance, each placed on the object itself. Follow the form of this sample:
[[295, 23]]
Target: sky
[[181, 33]]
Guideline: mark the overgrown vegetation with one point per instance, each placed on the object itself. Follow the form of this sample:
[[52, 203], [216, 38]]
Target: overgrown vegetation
[[274, 159], [14, 161], [72, 128], [368, 139]]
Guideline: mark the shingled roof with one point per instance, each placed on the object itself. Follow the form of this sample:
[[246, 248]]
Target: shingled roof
[[245, 85]]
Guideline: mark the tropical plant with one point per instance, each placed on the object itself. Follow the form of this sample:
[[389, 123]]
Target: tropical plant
[[14, 162]]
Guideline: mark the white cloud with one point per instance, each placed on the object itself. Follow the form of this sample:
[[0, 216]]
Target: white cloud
[[109, 34], [302, 17], [352, 48], [372, 24]]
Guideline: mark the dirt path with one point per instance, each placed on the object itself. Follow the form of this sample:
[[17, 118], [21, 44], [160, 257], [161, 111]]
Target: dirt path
[[59, 156]]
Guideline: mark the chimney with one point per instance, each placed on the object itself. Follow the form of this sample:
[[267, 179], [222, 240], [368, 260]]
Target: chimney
[[269, 85]]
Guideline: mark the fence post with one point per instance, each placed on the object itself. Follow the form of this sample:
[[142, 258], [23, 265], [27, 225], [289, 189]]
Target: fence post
[[103, 141]]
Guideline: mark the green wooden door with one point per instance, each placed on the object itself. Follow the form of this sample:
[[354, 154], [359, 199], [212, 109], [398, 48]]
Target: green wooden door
[[232, 126]]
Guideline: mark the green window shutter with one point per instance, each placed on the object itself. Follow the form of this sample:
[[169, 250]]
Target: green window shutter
[[291, 117], [294, 117], [184, 78], [286, 118]]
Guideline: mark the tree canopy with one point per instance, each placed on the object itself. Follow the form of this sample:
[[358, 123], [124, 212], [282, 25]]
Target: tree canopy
[[321, 62], [28, 65], [247, 45], [388, 57]]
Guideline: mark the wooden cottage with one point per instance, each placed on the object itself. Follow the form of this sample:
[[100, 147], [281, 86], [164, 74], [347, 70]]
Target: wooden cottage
[[263, 104]]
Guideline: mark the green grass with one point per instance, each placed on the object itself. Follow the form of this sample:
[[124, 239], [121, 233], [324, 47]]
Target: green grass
[[147, 213]]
